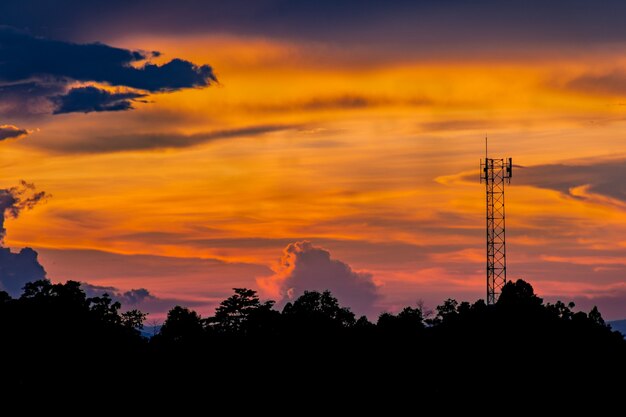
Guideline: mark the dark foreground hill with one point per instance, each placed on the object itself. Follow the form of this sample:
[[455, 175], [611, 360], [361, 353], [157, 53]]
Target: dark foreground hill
[[57, 341]]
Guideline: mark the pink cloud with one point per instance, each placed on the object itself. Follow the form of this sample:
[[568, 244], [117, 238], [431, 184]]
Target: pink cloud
[[304, 266]]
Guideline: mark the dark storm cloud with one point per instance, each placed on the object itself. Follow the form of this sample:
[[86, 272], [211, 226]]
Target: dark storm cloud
[[90, 99], [28, 99], [602, 177], [33, 67], [136, 142], [25, 57], [11, 132]]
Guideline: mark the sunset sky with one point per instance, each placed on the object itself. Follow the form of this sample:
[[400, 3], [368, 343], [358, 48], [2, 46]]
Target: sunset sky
[[291, 145]]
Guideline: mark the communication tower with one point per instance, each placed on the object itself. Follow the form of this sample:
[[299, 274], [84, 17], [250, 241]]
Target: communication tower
[[495, 173]]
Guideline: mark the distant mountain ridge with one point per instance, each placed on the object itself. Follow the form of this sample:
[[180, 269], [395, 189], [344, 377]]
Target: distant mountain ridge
[[619, 325]]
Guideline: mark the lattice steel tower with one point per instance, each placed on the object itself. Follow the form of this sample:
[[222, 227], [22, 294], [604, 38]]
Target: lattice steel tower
[[495, 173]]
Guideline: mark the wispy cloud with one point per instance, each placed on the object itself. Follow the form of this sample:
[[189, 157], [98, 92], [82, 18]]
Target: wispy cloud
[[603, 177], [612, 83], [153, 141], [345, 102]]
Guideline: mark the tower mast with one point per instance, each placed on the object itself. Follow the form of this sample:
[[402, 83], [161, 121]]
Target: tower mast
[[495, 173]]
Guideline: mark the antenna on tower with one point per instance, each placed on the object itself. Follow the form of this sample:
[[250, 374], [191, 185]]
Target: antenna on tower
[[495, 173], [486, 142]]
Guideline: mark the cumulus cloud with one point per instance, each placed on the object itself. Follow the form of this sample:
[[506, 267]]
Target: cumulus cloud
[[16, 199], [132, 297], [43, 65], [139, 298], [304, 266], [16, 269], [11, 132], [19, 268], [90, 99], [136, 296]]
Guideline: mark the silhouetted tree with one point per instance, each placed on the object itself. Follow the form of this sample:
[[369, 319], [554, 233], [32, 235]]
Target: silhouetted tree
[[387, 321], [234, 315], [321, 311], [445, 312], [408, 322], [364, 324], [464, 308], [55, 338], [596, 317], [182, 325], [518, 293], [105, 309], [37, 289], [133, 319], [560, 310]]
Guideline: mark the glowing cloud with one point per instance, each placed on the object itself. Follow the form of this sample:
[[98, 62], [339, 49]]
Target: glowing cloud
[[304, 266]]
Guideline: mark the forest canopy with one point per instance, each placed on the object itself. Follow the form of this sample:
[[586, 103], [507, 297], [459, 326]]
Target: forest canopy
[[75, 337]]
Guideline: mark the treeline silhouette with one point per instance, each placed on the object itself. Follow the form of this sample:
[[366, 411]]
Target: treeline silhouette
[[55, 339]]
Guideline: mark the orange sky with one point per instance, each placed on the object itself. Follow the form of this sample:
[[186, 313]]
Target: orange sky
[[367, 160]]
